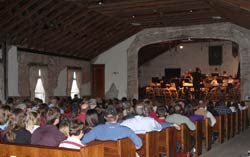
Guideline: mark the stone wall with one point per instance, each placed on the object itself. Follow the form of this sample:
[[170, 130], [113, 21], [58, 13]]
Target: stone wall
[[224, 31], [57, 73]]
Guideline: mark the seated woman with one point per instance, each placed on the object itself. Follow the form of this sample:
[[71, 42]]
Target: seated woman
[[32, 121], [16, 131], [91, 119], [76, 131]]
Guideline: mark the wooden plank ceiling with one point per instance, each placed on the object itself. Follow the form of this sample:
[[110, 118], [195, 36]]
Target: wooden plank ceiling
[[86, 28]]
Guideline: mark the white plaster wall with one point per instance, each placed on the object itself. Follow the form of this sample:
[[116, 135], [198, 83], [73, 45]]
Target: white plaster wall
[[12, 72], [191, 56], [115, 60]]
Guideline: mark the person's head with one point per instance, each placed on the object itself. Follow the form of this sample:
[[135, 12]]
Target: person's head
[[178, 109], [64, 128], [111, 114], [52, 116], [92, 118], [55, 101], [188, 110], [16, 122], [22, 106], [139, 109], [33, 118], [161, 111], [4, 114], [76, 128]]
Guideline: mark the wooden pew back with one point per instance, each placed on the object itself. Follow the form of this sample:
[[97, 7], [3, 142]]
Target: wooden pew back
[[183, 136], [18, 150], [120, 148], [219, 127], [207, 133], [167, 142], [197, 134], [227, 119], [150, 144]]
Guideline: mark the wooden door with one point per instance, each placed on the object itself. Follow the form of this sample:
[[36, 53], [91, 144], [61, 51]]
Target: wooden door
[[98, 80]]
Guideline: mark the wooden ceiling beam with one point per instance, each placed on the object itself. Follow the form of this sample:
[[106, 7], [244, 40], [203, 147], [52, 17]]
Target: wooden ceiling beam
[[16, 17], [180, 6], [229, 11]]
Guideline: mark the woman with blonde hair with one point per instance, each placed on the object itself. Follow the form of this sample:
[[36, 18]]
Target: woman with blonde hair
[[4, 116], [64, 128], [32, 121], [16, 131]]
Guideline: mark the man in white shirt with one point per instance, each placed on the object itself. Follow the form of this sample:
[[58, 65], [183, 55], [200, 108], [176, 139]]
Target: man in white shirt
[[140, 124]]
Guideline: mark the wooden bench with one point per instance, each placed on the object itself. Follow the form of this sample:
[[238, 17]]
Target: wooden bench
[[219, 127], [150, 144], [232, 124], [237, 122], [207, 133], [17, 150], [156, 143], [184, 136], [120, 148], [197, 134], [227, 124], [167, 142]]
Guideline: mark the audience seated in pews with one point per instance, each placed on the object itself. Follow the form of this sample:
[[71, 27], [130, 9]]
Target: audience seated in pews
[[111, 130]]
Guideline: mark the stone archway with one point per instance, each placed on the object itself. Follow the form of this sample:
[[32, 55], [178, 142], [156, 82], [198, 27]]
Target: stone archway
[[224, 31]]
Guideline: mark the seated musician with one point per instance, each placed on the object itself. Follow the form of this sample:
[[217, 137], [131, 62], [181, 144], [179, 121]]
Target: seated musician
[[215, 82], [111, 130]]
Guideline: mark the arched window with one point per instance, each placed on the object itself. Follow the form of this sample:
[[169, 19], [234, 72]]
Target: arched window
[[39, 90], [74, 87]]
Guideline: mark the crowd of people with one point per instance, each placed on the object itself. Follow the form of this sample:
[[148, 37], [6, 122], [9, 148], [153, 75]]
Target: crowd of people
[[73, 123]]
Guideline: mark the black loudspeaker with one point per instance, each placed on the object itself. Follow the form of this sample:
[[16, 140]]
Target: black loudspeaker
[[215, 55]]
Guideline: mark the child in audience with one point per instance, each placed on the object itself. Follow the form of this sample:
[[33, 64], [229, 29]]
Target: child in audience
[[76, 130]]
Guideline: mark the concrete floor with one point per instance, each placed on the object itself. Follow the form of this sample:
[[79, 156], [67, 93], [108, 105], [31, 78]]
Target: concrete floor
[[234, 147]]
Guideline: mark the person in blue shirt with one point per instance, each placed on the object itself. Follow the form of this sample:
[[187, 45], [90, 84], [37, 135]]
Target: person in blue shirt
[[111, 130]]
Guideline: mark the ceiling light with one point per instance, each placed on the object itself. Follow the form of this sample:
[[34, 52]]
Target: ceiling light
[[181, 47], [133, 16], [100, 2], [135, 24], [216, 17], [190, 11]]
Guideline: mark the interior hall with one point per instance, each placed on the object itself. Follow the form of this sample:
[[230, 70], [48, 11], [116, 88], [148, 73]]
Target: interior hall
[[128, 78]]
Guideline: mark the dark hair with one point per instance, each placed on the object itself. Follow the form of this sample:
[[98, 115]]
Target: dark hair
[[161, 111], [76, 127], [92, 118], [188, 110], [51, 115]]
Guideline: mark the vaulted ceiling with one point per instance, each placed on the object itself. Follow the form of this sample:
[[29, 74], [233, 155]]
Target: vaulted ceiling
[[86, 28]]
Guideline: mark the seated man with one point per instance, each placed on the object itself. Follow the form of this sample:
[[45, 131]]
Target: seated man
[[76, 129], [139, 123], [111, 130], [48, 134]]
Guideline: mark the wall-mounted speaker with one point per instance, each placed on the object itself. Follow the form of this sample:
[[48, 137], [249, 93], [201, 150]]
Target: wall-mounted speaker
[[215, 55]]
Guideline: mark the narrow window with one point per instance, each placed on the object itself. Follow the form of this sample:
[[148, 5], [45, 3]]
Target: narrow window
[[74, 88], [39, 90]]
